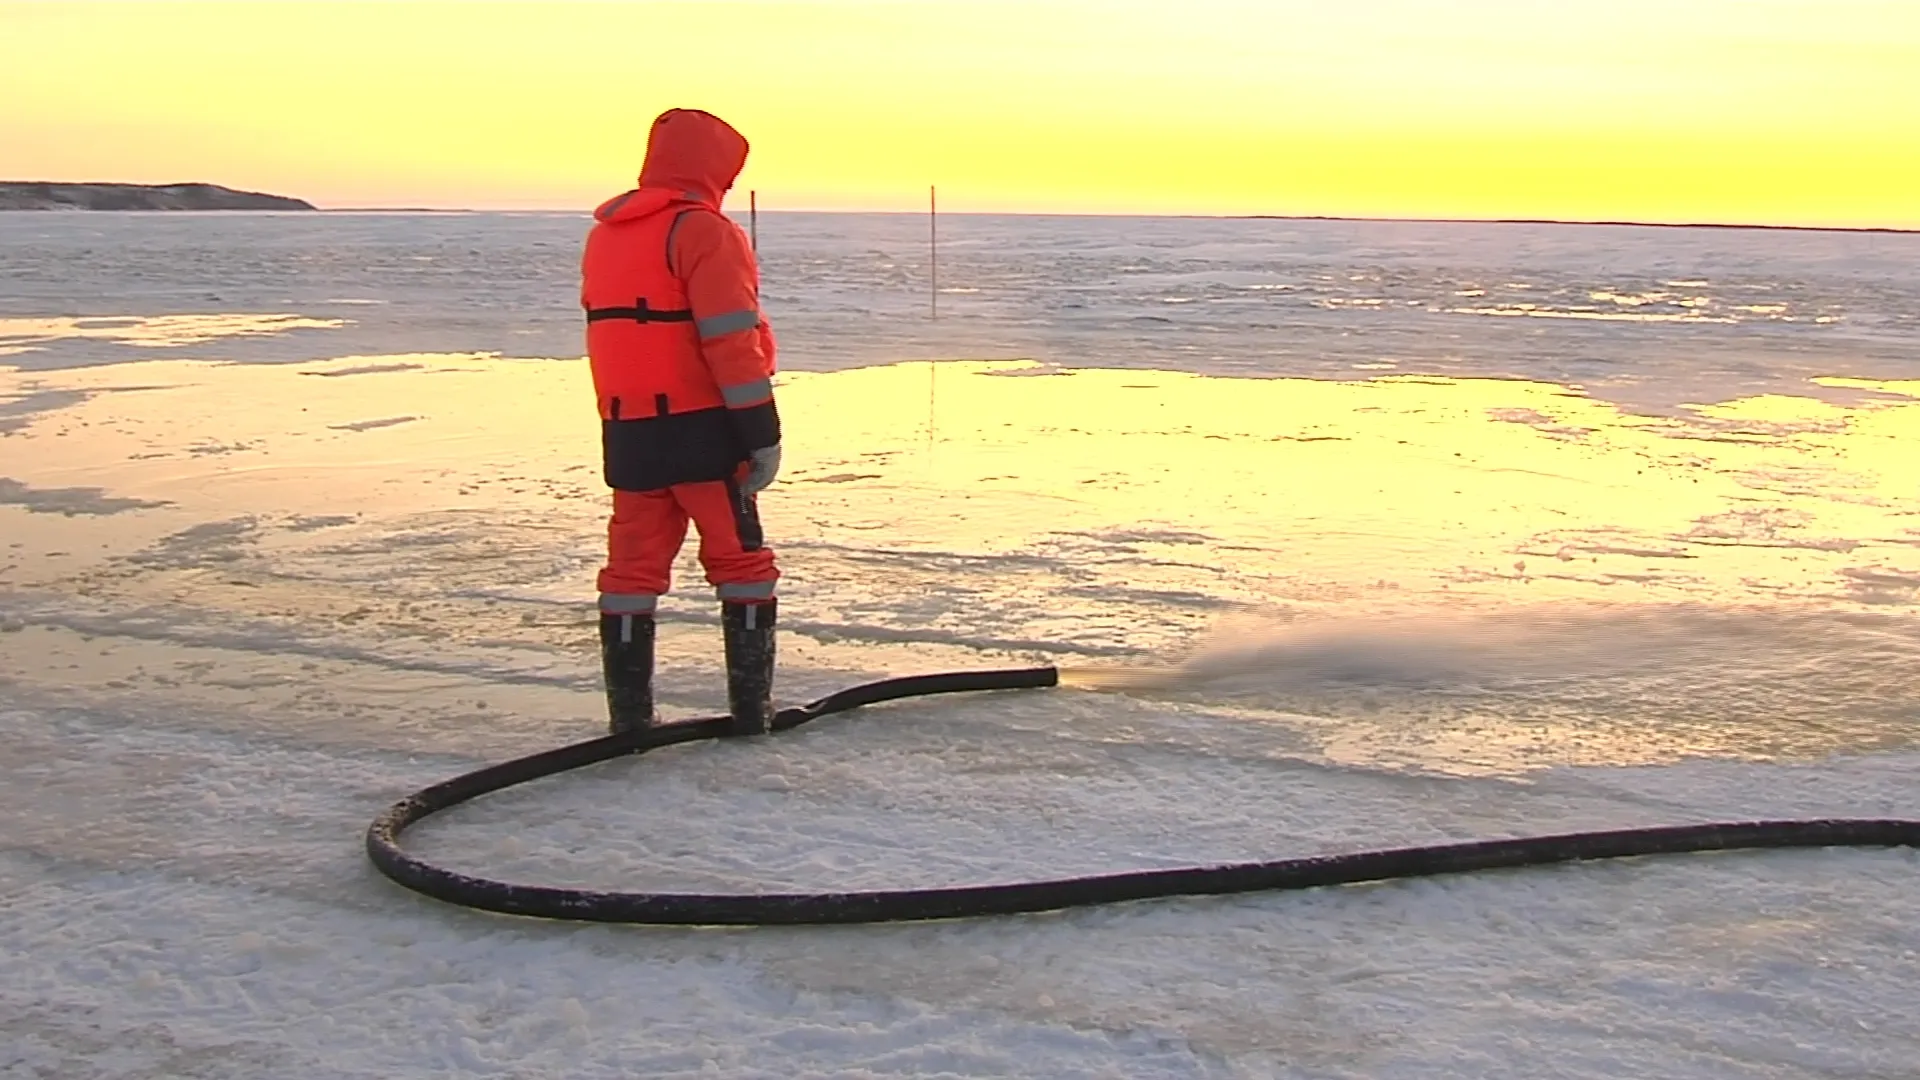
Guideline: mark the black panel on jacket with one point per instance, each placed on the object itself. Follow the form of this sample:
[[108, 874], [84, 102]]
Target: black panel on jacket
[[758, 426], [660, 451]]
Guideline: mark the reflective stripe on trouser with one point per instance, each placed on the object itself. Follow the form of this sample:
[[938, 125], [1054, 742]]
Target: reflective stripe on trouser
[[648, 527], [745, 592], [628, 603]]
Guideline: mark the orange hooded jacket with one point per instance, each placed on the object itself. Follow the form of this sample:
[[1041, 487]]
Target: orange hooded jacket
[[682, 359]]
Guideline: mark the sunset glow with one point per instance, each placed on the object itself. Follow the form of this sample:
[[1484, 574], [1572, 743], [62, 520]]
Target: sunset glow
[[1759, 111]]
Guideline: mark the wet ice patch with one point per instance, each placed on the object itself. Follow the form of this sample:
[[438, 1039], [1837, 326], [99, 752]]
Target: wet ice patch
[[373, 425], [364, 369], [1883, 585], [155, 331], [70, 501]]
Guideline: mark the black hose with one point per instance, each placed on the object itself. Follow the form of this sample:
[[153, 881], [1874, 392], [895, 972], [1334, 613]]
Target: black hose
[[765, 909]]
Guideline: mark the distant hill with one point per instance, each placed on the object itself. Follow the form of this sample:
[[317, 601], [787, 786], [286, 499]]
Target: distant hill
[[19, 195]]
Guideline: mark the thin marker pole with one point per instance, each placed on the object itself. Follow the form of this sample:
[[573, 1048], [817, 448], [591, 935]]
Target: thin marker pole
[[933, 307], [753, 219]]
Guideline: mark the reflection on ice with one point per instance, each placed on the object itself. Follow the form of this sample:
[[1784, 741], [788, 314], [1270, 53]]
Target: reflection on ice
[[1452, 573], [1531, 311]]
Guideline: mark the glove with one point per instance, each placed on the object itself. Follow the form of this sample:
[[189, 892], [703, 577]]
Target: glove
[[761, 471]]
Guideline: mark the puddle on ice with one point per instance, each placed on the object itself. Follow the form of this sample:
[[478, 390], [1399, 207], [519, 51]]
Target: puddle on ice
[[1453, 574]]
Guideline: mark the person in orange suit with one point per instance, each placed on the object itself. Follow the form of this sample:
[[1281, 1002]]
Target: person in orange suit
[[683, 363]]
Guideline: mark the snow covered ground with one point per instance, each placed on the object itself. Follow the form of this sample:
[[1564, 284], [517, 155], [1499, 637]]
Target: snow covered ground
[[244, 608]]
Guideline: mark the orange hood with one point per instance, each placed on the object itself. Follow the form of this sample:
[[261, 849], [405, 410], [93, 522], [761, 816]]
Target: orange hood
[[693, 153]]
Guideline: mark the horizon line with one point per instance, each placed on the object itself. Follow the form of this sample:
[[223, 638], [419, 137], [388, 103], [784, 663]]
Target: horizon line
[[1891, 230], [1607, 223]]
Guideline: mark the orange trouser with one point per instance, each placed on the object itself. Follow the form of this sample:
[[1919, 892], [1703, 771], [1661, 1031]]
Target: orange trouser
[[646, 532]]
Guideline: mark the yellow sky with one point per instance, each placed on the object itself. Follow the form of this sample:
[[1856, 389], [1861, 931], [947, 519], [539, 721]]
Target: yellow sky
[[1764, 111]]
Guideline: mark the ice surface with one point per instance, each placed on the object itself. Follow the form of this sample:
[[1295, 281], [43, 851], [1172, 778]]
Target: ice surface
[[244, 607], [1648, 317]]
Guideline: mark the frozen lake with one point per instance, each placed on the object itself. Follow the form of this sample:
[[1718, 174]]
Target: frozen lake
[[1424, 533]]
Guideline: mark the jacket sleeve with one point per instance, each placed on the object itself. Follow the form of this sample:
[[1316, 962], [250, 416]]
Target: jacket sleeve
[[712, 256]]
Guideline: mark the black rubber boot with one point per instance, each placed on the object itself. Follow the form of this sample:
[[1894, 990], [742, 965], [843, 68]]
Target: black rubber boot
[[626, 659], [749, 636]]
